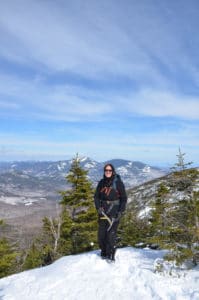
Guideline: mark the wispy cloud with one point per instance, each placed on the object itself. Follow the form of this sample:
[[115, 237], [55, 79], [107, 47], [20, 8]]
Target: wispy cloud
[[56, 102], [163, 104], [119, 73], [98, 39], [70, 103]]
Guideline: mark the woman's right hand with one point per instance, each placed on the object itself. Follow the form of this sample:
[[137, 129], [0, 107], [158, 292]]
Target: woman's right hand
[[100, 211]]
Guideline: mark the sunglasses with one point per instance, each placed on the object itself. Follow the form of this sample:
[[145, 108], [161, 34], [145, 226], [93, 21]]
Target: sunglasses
[[108, 170]]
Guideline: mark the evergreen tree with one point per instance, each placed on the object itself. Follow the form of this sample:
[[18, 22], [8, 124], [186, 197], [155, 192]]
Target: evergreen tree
[[65, 241], [53, 242], [184, 229], [181, 165], [33, 258], [159, 220], [8, 255], [74, 228], [184, 215], [175, 220], [132, 229], [79, 201]]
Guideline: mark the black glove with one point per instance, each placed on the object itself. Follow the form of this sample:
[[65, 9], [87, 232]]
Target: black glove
[[118, 216], [100, 210]]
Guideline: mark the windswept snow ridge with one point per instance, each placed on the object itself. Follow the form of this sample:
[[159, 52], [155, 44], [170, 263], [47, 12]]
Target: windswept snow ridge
[[87, 277]]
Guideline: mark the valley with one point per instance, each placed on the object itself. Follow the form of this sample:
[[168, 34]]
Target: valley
[[29, 191]]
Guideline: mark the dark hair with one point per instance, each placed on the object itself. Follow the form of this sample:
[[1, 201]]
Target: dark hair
[[112, 167]]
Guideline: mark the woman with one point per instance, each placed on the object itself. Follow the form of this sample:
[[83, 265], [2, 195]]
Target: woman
[[110, 201]]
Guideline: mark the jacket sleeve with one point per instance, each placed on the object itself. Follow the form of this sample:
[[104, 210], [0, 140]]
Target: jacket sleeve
[[122, 196], [97, 195]]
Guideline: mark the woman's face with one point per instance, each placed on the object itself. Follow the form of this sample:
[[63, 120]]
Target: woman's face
[[108, 171]]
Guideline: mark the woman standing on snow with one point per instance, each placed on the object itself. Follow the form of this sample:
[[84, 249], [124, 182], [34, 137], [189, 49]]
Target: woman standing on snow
[[110, 202]]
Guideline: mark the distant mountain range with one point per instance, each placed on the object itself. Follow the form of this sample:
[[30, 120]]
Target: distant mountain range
[[132, 172], [29, 190]]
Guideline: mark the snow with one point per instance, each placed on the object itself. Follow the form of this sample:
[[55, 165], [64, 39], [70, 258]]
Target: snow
[[84, 158], [18, 200], [89, 165], [87, 277], [122, 170], [146, 169], [196, 189], [144, 212]]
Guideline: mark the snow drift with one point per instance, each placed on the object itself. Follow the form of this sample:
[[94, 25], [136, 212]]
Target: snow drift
[[87, 276]]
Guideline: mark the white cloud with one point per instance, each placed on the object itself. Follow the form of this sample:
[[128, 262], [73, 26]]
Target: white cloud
[[153, 46], [91, 38], [56, 102], [66, 102], [163, 104]]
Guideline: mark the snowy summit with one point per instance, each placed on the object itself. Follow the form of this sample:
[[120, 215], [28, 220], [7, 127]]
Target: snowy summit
[[88, 277]]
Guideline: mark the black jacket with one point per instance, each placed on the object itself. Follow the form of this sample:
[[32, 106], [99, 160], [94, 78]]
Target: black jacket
[[105, 193]]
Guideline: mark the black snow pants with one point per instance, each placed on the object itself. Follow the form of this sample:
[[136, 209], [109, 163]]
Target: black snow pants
[[107, 239]]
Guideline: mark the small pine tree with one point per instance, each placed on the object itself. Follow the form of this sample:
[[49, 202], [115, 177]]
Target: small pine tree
[[65, 242], [79, 201], [181, 215], [33, 258], [159, 217], [53, 242], [81, 191], [181, 165], [194, 214], [184, 229], [181, 178], [74, 229], [8, 256], [132, 229]]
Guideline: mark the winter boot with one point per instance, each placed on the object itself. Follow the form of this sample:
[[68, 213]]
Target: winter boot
[[103, 254], [111, 257]]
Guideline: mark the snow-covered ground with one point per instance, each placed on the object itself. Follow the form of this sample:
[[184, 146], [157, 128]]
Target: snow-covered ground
[[87, 277], [20, 200]]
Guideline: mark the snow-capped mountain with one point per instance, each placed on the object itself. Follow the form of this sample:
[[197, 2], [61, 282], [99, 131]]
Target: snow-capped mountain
[[30, 190], [87, 277], [132, 172]]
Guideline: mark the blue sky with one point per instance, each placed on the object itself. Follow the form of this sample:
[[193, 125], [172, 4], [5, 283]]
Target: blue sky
[[106, 79]]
